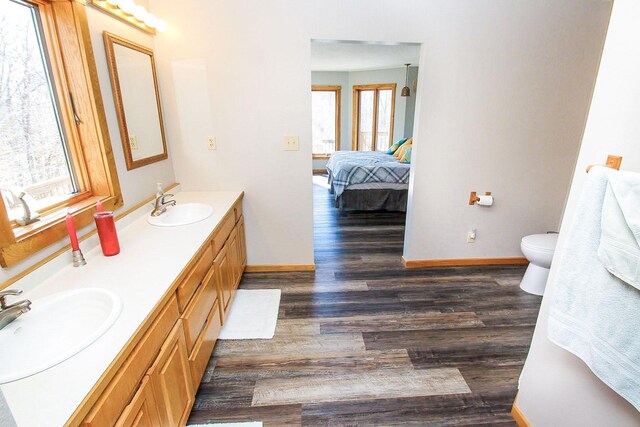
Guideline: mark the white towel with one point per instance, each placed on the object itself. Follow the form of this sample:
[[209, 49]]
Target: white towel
[[594, 314], [619, 248]]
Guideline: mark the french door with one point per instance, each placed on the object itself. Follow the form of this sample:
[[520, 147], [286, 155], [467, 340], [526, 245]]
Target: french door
[[373, 111]]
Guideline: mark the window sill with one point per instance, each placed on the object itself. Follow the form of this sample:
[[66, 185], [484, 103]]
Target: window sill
[[51, 227], [321, 156]]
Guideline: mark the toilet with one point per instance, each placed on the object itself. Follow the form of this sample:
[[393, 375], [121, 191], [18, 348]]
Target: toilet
[[538, 249]]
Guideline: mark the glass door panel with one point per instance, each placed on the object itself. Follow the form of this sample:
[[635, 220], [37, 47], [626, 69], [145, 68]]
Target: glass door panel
[[365, 121], [385, 114]]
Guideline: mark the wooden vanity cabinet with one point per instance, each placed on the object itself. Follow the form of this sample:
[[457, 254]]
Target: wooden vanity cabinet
[[156, 384]]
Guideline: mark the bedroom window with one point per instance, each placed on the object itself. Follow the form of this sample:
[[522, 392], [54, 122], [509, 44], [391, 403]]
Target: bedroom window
[[373, 114], [325, 118], [54, 144]]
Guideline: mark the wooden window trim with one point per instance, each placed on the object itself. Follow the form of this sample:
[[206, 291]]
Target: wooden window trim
[[356, 112], [338, 92], [74, 73]]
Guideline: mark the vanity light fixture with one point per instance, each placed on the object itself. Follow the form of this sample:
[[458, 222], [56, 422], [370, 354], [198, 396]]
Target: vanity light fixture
[[131, 13], [405, 90]]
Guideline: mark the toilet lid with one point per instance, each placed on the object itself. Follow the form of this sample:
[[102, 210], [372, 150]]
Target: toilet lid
[[544, 242]]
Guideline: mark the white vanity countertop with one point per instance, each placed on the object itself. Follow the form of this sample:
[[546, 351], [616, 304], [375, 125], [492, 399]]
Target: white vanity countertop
[[150, 260]]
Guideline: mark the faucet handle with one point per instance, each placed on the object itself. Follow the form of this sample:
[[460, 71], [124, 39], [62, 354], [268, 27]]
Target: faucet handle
[[4, 294]]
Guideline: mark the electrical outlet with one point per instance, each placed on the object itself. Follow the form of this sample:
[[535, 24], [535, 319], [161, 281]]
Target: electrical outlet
[[471, 236], [291, 143], [133, 142], [211, 143]]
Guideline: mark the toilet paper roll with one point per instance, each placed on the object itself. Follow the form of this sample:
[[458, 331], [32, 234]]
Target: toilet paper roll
[[485, 200]]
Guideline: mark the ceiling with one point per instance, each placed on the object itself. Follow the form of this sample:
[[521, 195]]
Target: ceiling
[[336, 55]]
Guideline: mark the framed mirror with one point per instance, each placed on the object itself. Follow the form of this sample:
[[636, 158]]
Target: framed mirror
[[135, 92]]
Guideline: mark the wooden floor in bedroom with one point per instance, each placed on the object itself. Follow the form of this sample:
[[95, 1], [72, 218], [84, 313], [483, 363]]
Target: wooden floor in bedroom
[[364, 341]]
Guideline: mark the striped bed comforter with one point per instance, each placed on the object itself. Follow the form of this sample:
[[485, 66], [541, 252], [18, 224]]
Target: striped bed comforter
[[362, 167]]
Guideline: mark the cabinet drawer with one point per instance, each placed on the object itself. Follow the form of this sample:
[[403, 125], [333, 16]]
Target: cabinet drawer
[[118, 394], [204, 346], [195, 316], [223, 232], [194, 278]]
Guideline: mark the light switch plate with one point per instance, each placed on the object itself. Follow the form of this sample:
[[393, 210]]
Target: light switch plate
[[211, 143], [291, 143]]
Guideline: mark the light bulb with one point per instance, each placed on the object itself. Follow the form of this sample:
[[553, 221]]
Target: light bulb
[[127, 6], [150, 20], [139, 12], [161, 25]]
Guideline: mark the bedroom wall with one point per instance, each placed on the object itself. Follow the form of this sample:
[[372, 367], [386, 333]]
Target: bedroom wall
[[137, 184], [557, 388], [502, 98], [410, 109], [404, 107]]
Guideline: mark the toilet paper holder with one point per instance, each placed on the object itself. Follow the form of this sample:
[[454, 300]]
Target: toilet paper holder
[[473, 198]]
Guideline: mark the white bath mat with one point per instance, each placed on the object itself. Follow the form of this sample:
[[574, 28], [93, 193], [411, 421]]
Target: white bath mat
[[253, 315], [254, 424]]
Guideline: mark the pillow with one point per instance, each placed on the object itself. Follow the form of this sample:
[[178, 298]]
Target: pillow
[[396, 145], [400, 151], [407, 156]]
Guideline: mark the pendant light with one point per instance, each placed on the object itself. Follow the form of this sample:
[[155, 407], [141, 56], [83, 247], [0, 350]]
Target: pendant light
[[405, 90]]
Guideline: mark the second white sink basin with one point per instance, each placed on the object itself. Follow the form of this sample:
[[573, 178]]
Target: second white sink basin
[[57, 327], [181, 214]]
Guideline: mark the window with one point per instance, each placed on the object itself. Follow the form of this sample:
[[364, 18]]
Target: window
[[34, 150], [325, 117], [54, 144], [373, 114]]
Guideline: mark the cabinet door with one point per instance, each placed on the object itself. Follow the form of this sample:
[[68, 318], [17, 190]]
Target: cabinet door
[[242, 245], [171, 379], [234, 260], [143, 410], [221, 265]]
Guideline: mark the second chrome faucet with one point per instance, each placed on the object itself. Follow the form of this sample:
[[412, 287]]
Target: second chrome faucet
[[10, 312]]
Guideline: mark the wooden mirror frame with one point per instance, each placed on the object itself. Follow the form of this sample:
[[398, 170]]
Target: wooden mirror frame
[[109, 41]]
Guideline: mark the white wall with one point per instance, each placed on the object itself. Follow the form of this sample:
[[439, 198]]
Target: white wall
[[557, 388], [504, 101], [137, 184], [404, 106], [504, 88]]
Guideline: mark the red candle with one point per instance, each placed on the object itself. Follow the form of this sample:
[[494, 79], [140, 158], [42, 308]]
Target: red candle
[[72, 233], [107, 233], [99, 207]]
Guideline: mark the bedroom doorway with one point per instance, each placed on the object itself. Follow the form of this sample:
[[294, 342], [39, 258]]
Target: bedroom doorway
[[363, 98]]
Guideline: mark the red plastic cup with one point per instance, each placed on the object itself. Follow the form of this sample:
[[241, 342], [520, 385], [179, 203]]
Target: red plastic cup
[[106, 226]]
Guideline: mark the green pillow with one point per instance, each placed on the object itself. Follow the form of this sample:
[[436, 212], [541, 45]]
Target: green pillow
[[407, 156], [396, 145]]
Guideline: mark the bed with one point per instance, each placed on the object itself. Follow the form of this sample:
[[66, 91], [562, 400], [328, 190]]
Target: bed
[[368, 180]]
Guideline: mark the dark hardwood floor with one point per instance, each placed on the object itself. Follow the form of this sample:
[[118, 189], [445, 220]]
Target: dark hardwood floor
[[364, 341]]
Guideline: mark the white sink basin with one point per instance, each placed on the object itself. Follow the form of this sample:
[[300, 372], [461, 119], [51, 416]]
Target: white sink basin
[[57, 327], [181, 214]]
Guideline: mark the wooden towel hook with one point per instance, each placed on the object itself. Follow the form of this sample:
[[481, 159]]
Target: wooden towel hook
[[613, 162]]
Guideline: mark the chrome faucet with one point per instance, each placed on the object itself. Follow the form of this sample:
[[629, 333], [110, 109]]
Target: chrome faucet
[[160, 205], [10, 312]]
